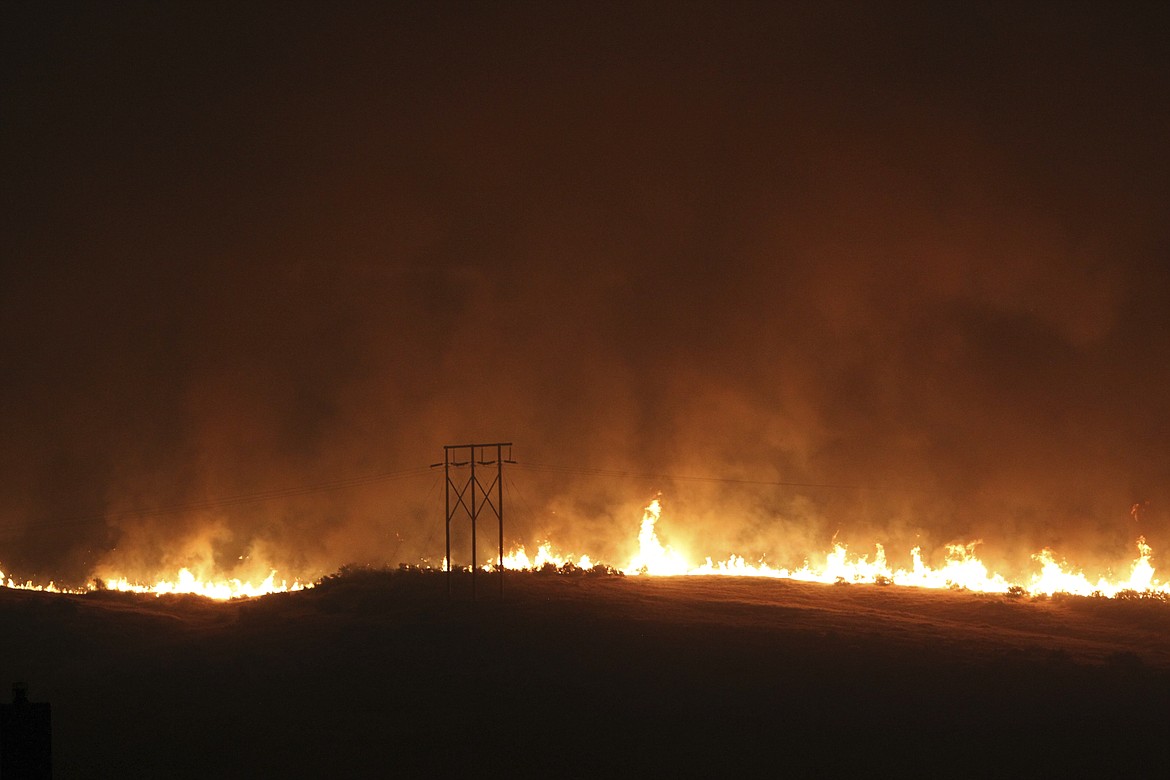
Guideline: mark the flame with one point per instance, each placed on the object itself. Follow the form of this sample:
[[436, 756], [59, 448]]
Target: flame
[[1053, 578], [961, 568], [223, 589], [7, 582], [518, 559], [652, 557], [184, 583]]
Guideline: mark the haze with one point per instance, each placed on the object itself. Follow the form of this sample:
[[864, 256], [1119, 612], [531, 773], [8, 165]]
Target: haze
[[915, 252]]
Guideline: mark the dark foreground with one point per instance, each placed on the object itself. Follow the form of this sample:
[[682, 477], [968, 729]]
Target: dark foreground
[[374, 675]]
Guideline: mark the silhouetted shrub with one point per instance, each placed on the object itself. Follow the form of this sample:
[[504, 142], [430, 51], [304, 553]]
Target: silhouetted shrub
[[356, 573], [604, 570], [1139, 595]]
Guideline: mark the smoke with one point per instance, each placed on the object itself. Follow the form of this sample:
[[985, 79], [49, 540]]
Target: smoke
[[909, 263]]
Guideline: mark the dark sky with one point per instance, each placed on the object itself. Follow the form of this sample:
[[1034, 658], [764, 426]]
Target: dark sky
[[918, 250]]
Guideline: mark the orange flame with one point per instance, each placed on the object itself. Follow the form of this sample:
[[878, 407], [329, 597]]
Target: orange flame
[[7, 582], [961, 568], [652, 556], [184, 583], [518, 559], [223, 589]]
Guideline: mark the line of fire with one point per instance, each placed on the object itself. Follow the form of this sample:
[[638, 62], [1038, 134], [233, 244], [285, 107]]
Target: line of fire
[[474, 492]]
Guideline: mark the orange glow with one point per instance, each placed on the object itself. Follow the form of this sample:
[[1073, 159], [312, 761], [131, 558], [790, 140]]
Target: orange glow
[[518, 559], [184, 583], [8, 582], [652, 556], [1054, 578], [222, 589], [961, 568]]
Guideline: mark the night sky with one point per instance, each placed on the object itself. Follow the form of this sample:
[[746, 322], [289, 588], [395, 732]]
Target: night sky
[[916, 254]]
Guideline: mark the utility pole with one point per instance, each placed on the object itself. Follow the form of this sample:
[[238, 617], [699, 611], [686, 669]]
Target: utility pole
[[471, 497]]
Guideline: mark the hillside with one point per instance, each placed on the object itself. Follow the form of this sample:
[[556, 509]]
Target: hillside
[[375, 673]]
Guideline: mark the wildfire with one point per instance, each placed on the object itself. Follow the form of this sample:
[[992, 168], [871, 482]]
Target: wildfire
[[1054, 579], [960, 569], [7, 582], [184, 583], [652, 556], [518, 559], [224, 589]]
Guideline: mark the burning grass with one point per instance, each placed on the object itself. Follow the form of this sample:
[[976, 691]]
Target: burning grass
[[960, 569]]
